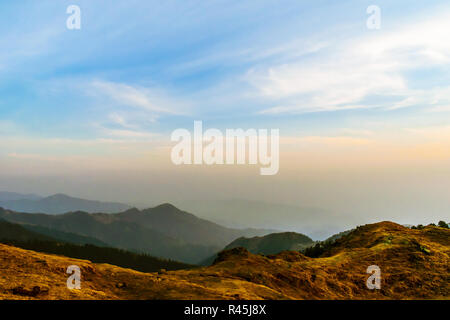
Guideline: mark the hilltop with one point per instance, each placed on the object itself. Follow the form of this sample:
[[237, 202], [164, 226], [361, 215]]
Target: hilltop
[[415, 264], [273, 243], [269, 244]]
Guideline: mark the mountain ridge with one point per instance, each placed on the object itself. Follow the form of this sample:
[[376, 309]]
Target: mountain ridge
[[164, 231], [7, 196], [61, 203]]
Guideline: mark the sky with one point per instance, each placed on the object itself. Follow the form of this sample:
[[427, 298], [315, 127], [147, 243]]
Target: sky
[[363, 114]]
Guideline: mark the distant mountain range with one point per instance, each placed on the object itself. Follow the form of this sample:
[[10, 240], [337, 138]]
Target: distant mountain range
[[240, 213], [8, 196], [56, 204], [183, 225], [163, 231]]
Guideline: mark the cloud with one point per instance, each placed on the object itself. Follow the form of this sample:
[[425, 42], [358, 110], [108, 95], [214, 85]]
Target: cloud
[[337, 141], [441, 108], [124, 134], [120, 120], [132, 112], [134, 96], [358, 73]]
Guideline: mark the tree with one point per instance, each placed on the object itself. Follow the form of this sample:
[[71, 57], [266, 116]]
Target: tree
[[442, 224]]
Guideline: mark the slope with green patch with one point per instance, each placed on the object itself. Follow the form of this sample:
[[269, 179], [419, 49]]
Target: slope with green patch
[[273, 243]]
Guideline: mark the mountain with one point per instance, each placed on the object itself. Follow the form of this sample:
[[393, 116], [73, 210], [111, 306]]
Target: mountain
[[164, 231], [11, 196], [183, 225], [60, 203], [115, 233], [414, 264], [273, 243]]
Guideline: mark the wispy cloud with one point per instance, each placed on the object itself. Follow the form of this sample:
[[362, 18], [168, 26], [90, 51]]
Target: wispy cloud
[[356, 73], [134, 134], [134, 97]]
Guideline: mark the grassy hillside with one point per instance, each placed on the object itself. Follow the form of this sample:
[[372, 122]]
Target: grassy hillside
[[414, 264]]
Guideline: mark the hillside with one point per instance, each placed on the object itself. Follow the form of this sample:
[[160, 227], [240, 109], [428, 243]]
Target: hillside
[[273, 243], [25, 232], [336, 236], [76, 247], [164, 231], [415, 264], [59, 203], [16, 232], [115, 233], [270, 244], [65, 236]]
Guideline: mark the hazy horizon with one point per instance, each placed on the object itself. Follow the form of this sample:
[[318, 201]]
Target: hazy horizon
[[364, 115]]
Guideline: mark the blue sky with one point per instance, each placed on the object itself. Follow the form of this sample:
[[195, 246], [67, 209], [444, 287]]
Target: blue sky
[[148, 67], [363, 114]]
